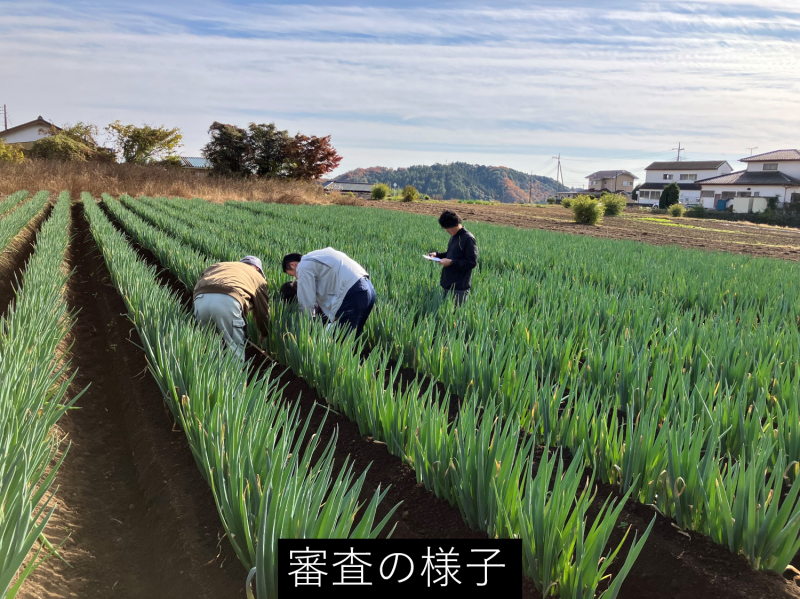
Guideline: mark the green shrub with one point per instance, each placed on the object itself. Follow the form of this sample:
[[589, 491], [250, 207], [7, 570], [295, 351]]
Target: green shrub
[[615, 203], [676, 210], [380, 191], [10, 153], [566, 202], [410, 193], [588, 210], [696, 211]]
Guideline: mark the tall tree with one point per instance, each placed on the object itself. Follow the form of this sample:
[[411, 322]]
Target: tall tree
[[72, 143], [312, 157], [669, 196], [229, 150], [145, 144], [270, 150]]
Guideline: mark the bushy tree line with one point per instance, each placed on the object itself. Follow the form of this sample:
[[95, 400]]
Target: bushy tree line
[[461, 181], [263, 150]]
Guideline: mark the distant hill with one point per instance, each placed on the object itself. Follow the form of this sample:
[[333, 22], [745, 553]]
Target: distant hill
[[461, 181]]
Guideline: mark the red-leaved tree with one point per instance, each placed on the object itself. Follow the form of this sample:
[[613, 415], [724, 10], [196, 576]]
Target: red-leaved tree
[[311, 157]]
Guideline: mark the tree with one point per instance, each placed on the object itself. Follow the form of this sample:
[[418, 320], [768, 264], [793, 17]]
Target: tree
[[145, 144], [669, 196], [10, 153], [270, 150], [229, 150], [72, 143], [311, 157]]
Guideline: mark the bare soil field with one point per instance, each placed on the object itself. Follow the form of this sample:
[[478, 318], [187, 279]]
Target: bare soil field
[[633, 224]]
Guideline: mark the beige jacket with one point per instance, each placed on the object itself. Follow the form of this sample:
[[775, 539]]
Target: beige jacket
[[243, 283]]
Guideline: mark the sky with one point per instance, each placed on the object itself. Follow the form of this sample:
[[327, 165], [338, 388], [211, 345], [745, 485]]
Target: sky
[[605, 84]]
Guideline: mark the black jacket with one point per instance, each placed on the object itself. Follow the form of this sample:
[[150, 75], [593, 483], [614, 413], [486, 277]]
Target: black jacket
[[463, 251]]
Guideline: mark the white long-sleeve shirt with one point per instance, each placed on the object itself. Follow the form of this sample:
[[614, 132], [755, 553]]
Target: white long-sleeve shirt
[[324, 277]]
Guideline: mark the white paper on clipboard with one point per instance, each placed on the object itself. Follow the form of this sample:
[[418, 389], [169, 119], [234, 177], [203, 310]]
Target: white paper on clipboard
[[431, 258]]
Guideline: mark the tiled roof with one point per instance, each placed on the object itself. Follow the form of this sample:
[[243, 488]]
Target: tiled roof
[[194, 162], [698, 165], [752, 178], [609, 174], [775, 156], [683, 186]]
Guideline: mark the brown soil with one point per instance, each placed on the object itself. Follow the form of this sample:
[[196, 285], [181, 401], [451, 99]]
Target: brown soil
[[140, 518], [14, 258], [704, 234]]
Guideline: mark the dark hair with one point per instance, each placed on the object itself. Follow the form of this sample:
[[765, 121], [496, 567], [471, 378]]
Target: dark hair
[[288, 291], [449, 219], [290, 258]]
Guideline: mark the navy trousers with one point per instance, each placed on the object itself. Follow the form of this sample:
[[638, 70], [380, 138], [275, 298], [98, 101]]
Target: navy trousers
[[357, 305]]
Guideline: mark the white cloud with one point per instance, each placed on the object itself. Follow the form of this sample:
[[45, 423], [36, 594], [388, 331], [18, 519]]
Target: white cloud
[[408, 86]]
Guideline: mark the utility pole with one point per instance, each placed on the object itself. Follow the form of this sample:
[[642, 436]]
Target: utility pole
[[5, 117], [530, 188], [679, 151], [751, 149], [559, 172]]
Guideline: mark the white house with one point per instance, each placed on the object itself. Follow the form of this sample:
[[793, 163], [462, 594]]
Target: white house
[[773, 174], [685, 174], [27, 133]]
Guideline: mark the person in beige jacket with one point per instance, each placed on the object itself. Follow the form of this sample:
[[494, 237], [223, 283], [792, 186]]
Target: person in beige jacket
[[226, 293]]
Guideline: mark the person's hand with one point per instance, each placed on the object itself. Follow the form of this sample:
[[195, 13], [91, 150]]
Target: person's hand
[[446, 262]]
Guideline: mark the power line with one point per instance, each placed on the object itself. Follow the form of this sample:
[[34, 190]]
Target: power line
[[679, 151]]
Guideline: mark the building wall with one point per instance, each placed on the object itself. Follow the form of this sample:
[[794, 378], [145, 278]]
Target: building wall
[[658, 176], [791, 168], [28, 134], [686, 197], [763, 191]]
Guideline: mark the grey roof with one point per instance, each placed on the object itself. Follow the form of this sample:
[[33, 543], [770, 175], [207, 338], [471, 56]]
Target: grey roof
[[194, 162], [609, 175], [752, 178], [38, 121], [775, 156], [683, 186], [684, 165], [354, 187]]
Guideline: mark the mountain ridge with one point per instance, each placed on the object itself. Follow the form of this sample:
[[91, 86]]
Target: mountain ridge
[[461, 181]]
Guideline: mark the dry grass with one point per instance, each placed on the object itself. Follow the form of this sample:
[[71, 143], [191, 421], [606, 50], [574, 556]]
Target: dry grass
[[135, 180]]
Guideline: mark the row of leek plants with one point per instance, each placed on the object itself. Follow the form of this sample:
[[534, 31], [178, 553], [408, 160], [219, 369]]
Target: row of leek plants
[[724, 424], [253, 450], [477, 463], [12, 200], [13, 223], [33, 396], [613, 365]]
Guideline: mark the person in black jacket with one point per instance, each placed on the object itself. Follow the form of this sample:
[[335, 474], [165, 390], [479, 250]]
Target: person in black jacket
[[459, 259]]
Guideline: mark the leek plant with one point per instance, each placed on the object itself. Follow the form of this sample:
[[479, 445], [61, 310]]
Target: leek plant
[[33, 396], [12, 200], [13, 223], [251, 450], [475, 463]]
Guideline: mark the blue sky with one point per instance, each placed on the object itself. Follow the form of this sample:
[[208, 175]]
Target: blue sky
[[606, 84]]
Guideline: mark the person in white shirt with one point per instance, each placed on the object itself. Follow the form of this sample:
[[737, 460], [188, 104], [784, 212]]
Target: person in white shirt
[[336, 283]]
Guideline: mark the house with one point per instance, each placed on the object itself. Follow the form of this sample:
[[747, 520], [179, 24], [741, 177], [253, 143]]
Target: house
[[611, 181], [359, 189], [684, 173], [27, 133], [773, 174]]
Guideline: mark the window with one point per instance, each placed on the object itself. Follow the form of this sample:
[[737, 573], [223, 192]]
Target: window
[[727, 195], [743, 194], [771, 166], [795, 198], [707, 194], [668, 177], [756, 194], [626, 183], [688, 177]]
